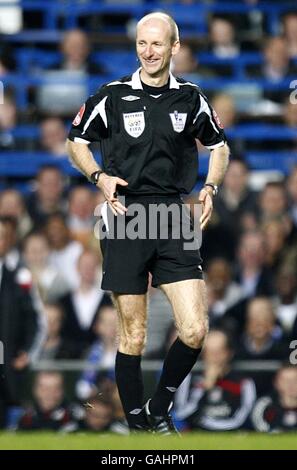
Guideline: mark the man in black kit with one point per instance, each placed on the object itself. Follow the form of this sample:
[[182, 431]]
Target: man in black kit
[[146, 125]]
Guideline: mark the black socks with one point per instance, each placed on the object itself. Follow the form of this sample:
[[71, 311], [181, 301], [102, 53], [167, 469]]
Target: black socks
[[130, 386], [179, 362], [177, 365]]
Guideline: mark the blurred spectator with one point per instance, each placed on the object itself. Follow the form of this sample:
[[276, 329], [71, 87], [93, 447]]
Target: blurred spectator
[[273, 201], [81, 219], [276, 252], [262, 339], [48, 197], [218, 399], [290, 114], [184, 62], [224, 105], [251, 274], [119, 425], [225, 108], [7, 62], [235, 200], [20, 328], [76, 48], [65, 85], [50, 410], [223, 293], [12, 205], [222, 38], [289, 120], [277, 223], [276, 67], [64, 252], [102, 353], [82, 303], [12, 256], [278, 412], [53, 136], [292, 191], [98, 416], [286, 298], [186, 65], [55, 346], [234, 211], [8, 121], [108, 390], [290, 32], [210, 248], [46, 276]]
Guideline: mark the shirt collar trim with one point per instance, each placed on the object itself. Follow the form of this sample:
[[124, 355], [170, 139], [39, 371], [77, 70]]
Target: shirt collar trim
[[137, 85]]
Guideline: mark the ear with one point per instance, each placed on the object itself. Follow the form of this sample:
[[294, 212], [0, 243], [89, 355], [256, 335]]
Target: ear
[[175, 47]]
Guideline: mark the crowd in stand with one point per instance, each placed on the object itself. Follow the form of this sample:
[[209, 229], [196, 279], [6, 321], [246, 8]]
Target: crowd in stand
[[52, 307], [224, 41], [49, 246]]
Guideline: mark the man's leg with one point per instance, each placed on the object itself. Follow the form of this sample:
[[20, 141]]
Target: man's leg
[[188, 300], [132, 312]]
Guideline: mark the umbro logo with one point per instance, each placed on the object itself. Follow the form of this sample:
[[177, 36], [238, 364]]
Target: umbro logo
[[136, 411], [171, 389], [130, 98]]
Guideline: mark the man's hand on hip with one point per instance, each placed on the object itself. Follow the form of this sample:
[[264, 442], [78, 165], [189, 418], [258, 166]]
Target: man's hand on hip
[[108, 185], [205, 198]]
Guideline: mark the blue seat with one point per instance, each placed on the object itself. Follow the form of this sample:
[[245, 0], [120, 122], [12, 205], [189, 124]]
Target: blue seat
[[117, 63], [261, 132], [27, 164], [29, 59], [281, 161]]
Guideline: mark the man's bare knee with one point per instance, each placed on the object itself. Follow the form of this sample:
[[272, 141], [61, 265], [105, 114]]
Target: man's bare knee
[[194, 335], [133, 342]]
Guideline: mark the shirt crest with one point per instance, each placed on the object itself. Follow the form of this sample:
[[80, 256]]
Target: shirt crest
[[134, 123], [178, 120]]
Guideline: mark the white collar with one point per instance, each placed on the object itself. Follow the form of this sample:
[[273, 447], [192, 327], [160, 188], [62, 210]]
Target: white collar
[[137, 85]]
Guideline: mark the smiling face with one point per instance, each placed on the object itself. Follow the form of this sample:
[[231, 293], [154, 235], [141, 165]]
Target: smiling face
[[155, 46]]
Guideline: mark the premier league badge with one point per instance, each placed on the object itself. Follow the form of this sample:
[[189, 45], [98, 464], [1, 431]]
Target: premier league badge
[[178, 120]]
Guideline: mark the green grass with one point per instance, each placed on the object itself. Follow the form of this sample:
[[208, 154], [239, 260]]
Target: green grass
[[199, 441]]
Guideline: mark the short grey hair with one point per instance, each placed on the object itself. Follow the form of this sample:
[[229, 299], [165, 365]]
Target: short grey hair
[[165, 17]]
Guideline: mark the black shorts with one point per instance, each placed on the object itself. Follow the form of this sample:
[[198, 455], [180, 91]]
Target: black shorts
[[167, 247]]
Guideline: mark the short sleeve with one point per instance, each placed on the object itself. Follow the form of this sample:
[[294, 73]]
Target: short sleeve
[[90, 124], [206, 125]]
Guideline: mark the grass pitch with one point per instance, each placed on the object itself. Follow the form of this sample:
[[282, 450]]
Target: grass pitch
[[191, 441]]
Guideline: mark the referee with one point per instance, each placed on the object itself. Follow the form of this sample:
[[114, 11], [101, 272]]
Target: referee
[[147, 124]]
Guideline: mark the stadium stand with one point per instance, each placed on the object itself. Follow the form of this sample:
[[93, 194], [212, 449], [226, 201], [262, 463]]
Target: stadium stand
[[262, 134]]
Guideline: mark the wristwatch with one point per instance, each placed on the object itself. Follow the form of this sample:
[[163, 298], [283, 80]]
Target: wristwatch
[[214, 187], [94, 178]]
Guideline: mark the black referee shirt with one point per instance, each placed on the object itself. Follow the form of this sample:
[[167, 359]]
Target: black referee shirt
[[148, 139]]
